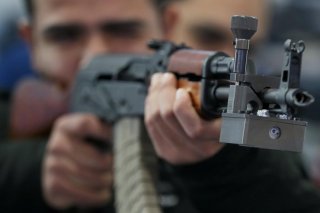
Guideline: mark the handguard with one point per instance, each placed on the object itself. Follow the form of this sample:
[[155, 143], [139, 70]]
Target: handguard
[[257, 111]]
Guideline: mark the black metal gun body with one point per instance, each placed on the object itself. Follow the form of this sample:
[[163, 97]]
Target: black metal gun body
[[114, 86]]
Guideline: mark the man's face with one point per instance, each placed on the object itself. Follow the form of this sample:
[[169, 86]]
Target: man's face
[[205, 24], [67, 32]]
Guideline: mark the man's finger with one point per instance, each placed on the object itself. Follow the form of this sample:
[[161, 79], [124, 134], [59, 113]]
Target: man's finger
[[193, 125]]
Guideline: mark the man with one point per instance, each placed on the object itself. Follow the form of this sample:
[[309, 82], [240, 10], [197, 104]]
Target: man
[[208, 28], [74, 173], [221, 178], [62, 35]]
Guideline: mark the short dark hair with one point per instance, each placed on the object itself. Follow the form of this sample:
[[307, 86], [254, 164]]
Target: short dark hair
[[160, 5]]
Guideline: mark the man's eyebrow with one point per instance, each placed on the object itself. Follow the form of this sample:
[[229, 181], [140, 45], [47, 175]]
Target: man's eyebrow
[[208, 32], [108, 26], [56, 28]]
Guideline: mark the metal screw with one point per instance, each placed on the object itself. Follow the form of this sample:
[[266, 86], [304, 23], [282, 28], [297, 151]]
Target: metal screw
[[275, 133]]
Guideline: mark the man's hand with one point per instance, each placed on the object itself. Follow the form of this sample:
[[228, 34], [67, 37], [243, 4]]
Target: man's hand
[[75, 173], [179, 135]]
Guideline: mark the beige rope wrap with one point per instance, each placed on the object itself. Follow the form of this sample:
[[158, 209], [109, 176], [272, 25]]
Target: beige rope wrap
[[135, 168]]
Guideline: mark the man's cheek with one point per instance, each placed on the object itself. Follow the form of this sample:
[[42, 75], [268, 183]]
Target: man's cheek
[[60, 66]]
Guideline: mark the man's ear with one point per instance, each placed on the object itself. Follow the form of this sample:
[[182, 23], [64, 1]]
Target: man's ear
[[170, 17], [25, 31]]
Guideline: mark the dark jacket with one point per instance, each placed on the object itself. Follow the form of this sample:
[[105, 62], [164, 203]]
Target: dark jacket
[[4, 113], [237, 179], [240, 179]]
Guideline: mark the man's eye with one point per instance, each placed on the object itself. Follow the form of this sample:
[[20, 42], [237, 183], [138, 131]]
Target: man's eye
[[209, 38], [64, 34], [122, 30]]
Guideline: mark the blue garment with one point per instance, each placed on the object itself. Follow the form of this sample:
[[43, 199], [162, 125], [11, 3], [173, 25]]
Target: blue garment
[[14, 65]]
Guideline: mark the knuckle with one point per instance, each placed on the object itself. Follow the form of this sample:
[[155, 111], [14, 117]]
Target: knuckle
[[167, 79], [83, 123], [53, 168], [158, 149], [155, 78], [56, 146], [147, 102], [60, 122], [79, 122], [152, 118], [54, 186], [51, 165], [162, 152], [167, 114], [195, 133], [147, 120], [178, 106]]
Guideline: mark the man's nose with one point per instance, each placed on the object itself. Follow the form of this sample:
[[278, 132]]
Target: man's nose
[[96, 45]]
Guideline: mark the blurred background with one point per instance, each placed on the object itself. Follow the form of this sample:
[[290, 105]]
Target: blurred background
[[299, 20], [14, 56], [294, 19]]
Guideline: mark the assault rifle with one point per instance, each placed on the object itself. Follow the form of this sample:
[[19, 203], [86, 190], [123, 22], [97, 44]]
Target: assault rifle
[[256, 111]]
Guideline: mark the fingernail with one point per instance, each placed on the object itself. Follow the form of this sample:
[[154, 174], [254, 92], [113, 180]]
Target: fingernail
[[166, 77], [153, 79]]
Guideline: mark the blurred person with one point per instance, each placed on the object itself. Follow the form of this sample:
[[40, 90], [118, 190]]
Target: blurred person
[[209, 30], [60, 42], [14, 60], [220, 178], [204, 30], [62, 35], [14, 57]]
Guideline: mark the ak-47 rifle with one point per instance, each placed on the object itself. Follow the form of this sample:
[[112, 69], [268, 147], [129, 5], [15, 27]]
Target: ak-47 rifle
[[260, 110]]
